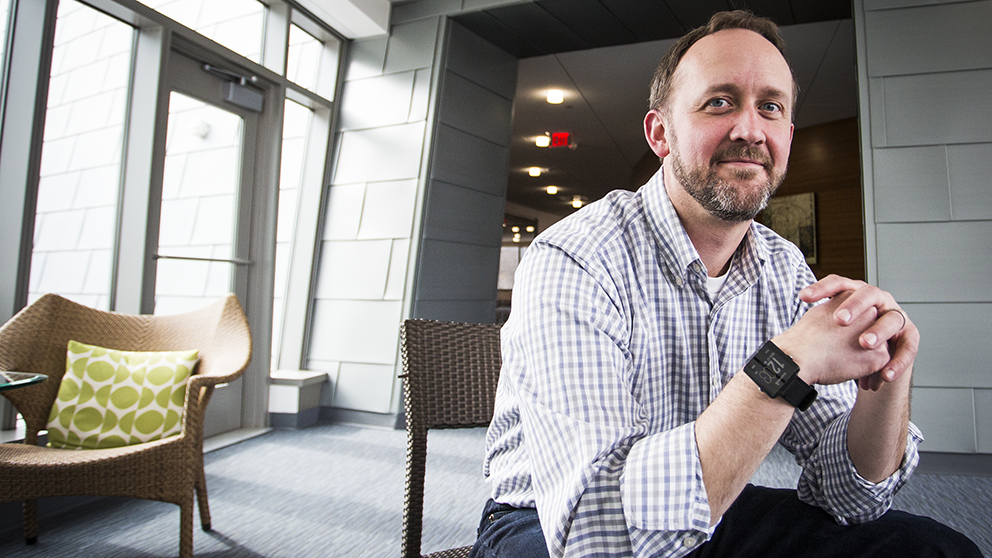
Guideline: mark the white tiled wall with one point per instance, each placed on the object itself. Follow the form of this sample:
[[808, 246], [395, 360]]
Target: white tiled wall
[[928, 156], [365, 247]]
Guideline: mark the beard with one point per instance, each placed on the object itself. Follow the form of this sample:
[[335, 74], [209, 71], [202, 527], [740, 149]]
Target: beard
[[724, 199]]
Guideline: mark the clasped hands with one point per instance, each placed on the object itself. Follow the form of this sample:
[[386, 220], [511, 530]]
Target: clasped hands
[[860, 333]]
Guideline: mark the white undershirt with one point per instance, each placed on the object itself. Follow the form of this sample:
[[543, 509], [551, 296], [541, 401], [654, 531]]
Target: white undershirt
[[714, 284]]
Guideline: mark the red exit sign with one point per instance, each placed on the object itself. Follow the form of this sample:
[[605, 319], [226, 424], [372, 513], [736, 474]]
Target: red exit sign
[[559, 139]]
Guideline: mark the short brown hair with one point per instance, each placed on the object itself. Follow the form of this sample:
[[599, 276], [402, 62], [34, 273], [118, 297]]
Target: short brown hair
[[661, 84]]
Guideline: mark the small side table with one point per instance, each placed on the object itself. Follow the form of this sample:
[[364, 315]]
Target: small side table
[[14, 380]]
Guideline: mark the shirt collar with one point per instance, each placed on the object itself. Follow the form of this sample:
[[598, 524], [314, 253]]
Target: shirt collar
[[676, 249]]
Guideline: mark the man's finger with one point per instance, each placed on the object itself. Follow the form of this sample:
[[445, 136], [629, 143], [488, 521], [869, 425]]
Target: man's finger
[[827, 287]]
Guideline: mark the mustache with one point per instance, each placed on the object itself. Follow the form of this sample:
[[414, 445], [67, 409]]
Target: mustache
[[742, 151]]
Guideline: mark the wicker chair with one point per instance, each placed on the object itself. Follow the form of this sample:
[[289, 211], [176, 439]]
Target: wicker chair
[[166, 470], [451, 371]]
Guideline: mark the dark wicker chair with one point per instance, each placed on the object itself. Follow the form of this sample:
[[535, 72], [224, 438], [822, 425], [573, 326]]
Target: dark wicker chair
[[167, 470], [451, 371]]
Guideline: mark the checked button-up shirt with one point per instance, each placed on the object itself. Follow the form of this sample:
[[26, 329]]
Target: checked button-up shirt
[[614, 347]]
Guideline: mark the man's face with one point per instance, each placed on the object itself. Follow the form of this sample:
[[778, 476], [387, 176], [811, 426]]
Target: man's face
[[728, 126]]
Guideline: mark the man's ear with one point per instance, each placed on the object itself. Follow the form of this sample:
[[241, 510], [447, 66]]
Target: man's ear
[[654, 132]]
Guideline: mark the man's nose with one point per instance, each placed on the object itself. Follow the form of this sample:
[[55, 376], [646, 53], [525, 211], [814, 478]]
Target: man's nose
[[748, 127]]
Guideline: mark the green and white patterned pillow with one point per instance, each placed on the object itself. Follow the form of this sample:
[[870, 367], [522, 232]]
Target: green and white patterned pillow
[[111, 398]]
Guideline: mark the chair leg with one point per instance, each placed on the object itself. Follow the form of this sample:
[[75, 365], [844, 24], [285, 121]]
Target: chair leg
[[30, 521], [201, 500], [186, 529]]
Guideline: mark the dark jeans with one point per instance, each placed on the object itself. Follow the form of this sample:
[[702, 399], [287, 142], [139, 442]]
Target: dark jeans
[[762, 522]]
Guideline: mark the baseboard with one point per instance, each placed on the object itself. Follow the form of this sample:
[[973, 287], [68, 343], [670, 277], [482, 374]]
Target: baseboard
[[964, 464], [295, 421], [360, 418]]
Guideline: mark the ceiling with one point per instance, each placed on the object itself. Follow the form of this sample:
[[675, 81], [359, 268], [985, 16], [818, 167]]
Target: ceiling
[[602, 54]]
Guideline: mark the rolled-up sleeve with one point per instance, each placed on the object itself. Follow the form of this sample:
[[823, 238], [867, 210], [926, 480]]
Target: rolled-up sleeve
[[829, 479]]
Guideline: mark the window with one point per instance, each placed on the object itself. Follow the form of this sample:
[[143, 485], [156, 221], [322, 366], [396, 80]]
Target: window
[[81, 156], [138, 202], [236, 24]]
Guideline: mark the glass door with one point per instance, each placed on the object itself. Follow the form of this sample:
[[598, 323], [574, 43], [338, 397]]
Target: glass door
[[206, 203]]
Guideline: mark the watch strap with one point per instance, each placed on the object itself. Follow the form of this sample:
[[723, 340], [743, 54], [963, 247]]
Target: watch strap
[[798, 393], [778, 376]]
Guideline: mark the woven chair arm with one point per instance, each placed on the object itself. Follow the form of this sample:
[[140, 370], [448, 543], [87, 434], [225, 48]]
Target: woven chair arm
[[225, 366]]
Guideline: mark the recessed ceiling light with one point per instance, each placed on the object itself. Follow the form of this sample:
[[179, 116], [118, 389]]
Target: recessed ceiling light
[[534, 171], [555, 96], [542, 141], [576, 201], [530, 228], [552, 190]]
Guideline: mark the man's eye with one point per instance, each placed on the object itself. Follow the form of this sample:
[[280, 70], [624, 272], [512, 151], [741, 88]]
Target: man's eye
[[771, 107], [718, 103]]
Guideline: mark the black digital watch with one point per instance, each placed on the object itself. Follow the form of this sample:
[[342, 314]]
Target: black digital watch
[[777, 375]]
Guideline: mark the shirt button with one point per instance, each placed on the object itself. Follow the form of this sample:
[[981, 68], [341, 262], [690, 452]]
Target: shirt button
[[689, 542], [678, 281]]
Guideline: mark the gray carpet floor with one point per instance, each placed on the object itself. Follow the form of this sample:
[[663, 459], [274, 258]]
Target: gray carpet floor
[[337, 491]]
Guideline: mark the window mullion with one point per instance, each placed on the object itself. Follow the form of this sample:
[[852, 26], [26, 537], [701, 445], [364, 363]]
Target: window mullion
[[276, 37], [138, 222]]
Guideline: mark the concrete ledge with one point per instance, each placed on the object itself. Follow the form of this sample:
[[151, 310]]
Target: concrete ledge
[[294, 398]]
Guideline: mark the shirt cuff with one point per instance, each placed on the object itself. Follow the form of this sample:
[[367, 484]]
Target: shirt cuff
[[662, 483], [833, 483]]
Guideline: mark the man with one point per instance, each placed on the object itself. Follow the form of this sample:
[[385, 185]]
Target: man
[[630, 413]]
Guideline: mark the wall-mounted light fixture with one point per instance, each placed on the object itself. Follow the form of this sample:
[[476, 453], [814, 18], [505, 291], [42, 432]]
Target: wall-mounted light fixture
[[552, 190], [542, 141], [534, 171], [555, 96], [577, 201]]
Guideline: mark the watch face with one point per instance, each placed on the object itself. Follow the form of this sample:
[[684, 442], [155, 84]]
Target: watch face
[[775, 365], [767, 380], [771, 369]]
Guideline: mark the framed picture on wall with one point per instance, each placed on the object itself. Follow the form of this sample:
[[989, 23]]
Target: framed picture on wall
[[794, 217]]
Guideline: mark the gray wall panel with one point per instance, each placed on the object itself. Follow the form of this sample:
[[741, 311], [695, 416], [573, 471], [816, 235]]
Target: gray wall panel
[[936, 262], [421, 95], [366, 58], [929, 109], [377, 101], [468, 161], [946, 417], [483, 63], [454, 214], [915, 41], [418, 9], [411, 46], [947, 354], [456, 271], [379, 154], [457, 264], [970, 172], [876, 100], [911, 184], [983, 419], [890, 4], [474, 109]]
